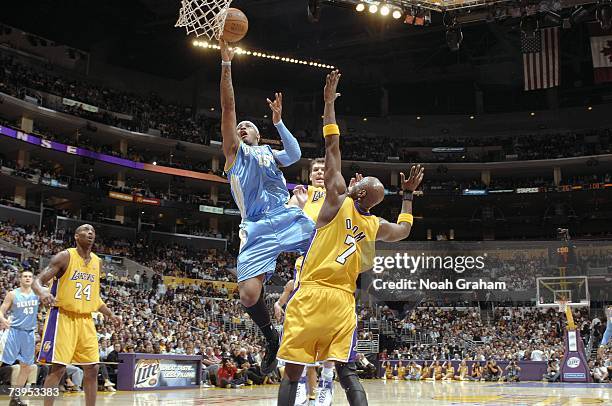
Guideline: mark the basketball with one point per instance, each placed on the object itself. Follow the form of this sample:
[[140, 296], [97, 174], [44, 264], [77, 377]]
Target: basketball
[[236, 25]]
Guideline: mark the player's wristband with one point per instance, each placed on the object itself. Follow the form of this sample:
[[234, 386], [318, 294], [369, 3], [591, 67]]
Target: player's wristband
[[331, 129], [405, 218], [408, 195], [226, 63]]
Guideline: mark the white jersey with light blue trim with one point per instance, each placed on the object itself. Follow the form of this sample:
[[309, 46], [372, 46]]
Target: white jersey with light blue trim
[[257, 184], [24, 310]]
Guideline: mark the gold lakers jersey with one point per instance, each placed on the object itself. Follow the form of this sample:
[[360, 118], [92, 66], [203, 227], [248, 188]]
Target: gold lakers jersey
[[78, 289], [341, 249], [316, 197]]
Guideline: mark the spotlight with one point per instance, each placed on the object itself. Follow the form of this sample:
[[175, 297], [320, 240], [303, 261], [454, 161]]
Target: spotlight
[[360, 7], [397, 14], [384, 10], [454, 37], [373, 8], [604, 16]]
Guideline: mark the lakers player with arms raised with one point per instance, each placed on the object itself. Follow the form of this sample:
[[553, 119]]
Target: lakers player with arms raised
[[70, 334], [320, 320], [314, 197]]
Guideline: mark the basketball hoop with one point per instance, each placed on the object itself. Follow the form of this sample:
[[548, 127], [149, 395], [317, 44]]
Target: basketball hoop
[[565, 308], [203, 17], [562, 306]]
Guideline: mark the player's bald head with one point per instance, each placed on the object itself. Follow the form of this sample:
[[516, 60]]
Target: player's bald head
[[369, 191]]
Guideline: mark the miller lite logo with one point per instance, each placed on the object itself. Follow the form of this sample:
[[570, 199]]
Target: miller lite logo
[[146, 373], [573, 362]]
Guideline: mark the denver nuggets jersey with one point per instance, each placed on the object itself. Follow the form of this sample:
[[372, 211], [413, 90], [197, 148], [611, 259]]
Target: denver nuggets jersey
[[24, 310], [341, 249], [257, 184], [78, 289]]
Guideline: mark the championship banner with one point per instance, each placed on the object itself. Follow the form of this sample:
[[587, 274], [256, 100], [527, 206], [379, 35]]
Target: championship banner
[[601, 52], [164, 373]]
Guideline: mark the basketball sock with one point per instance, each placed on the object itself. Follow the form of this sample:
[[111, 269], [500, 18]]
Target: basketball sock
[[287, 392], [259, 314], [347, 375], [327, 373]]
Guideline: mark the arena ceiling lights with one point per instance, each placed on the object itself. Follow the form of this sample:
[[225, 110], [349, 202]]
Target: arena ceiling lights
[[374, 6], [265, 55]]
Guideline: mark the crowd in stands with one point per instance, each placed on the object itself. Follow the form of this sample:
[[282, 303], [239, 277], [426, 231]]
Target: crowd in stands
[[173, 320], [372, 146], [164, 259], [130, 111], [143, 113], [176, 191], [186, 320], [38, 169], [518, 334]]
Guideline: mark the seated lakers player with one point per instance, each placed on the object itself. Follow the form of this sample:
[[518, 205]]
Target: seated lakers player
[[70, 334], [320, 321]]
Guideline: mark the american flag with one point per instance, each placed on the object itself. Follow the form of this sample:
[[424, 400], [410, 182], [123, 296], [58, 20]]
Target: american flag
[[541, 58]]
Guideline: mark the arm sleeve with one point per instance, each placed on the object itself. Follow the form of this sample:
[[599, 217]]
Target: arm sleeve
[[292, 153]]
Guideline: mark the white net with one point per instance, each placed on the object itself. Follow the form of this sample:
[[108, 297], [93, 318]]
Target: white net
[[203, 17], [562, 306]]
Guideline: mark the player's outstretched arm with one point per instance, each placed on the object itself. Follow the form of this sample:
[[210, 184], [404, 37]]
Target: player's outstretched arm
[[292, 152], [228, 105], [392, 232], [6, 305], [56, 267], [334, 182]]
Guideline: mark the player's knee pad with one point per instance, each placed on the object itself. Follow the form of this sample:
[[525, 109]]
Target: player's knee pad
[[347, 375]]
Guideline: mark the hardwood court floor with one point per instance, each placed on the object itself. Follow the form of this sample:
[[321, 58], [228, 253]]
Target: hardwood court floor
[[379, 393]]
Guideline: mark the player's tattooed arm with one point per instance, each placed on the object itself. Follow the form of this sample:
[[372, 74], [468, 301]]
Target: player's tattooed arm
[[6, 305], [392, 232], [56, 267], [228, 106]]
